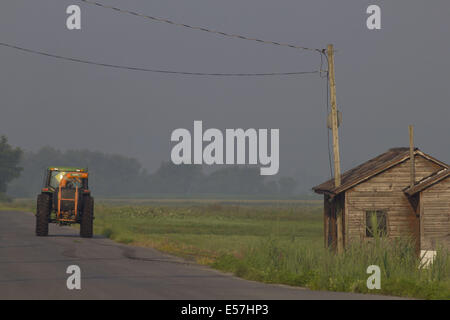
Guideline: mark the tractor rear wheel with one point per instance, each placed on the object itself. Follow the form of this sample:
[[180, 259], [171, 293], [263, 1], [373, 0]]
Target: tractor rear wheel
[[87, 218], [42, 214]]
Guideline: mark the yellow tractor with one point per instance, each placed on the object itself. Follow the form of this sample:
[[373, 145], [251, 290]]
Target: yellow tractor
[[65, 199]]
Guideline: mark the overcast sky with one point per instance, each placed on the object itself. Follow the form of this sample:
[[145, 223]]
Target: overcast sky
[[386, 79]]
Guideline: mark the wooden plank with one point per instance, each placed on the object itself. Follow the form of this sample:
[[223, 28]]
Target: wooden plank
[[435, 217], [339, 223], [411, 157], [346, 219], [333, 224], [326, 219]]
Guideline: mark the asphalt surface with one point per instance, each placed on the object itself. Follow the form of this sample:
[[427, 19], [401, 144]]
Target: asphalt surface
[[35, 268]]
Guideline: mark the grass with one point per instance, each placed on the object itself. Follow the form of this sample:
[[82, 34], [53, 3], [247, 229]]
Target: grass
[[282, 243], [204, 232], [316, 268], [278, 242], [18, 205]]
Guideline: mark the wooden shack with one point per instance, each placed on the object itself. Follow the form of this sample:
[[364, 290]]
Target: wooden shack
[[381, 188]]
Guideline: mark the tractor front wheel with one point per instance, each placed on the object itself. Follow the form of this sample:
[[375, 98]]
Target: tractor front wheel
[[42, 214], [87, 218]]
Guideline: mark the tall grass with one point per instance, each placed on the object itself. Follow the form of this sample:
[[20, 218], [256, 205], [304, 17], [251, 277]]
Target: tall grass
[[315, 267]]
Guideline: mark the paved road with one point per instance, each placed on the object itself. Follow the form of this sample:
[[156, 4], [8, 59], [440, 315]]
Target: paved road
[[35, 268]]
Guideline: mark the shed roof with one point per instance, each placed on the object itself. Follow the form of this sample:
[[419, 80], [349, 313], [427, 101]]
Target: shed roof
[[427, 182], [371, 168]]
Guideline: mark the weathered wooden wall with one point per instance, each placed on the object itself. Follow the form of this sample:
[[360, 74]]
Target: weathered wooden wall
[[326, 220], [435, 216], [385, 192]]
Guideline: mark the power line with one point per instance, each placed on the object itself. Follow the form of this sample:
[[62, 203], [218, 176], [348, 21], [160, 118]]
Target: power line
[[155, 70], [225, 34]]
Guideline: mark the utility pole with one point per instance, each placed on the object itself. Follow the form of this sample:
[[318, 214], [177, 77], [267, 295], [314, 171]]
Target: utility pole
[[337, 162], [334, 117]]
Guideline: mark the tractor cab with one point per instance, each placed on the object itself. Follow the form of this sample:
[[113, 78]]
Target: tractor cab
[[68, 176]]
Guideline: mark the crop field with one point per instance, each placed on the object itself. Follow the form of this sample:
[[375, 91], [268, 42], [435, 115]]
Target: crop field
[[204, 231], [270, 241]]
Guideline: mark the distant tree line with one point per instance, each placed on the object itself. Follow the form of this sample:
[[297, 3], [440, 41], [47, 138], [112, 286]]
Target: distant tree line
[[230, 180], [109, 174], [117, 175], [9, 165]]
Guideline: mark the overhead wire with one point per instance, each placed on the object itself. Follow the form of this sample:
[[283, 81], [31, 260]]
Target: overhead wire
[[209, 30], [320, 51], [322, 73], [109, 65]]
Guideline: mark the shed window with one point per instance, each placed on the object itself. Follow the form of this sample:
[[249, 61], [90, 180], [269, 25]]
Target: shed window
[[376, 223]]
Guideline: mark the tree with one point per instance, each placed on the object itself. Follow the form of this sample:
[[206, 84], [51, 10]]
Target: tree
[[110, 174], [175, 179], [9, 161]]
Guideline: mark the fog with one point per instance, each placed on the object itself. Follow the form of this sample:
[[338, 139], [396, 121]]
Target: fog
[[386, 79]]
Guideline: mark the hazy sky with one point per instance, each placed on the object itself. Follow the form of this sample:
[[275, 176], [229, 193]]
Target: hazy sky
[[385, 79]]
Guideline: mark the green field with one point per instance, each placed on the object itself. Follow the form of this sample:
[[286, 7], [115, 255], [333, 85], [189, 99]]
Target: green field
[[271, 241], [204, 230]]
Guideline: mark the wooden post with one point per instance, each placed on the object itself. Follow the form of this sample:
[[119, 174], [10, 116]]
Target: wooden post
[[337, 162], [334, 117], [418, 216], [326, 219], [339, 224], [333, 224], [411, 157]]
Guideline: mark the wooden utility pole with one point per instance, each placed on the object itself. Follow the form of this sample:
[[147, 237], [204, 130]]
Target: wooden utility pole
[[337, 161], [334, 117], [411, 157]]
